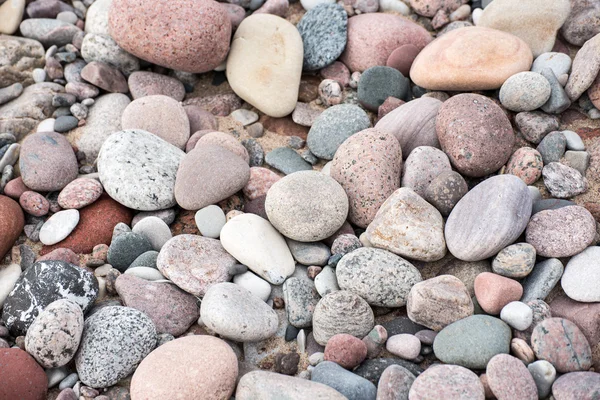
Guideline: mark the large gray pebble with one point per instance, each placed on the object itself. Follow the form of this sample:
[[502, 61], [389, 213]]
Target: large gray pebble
[[301, 298], [525, 91], [350, 385], [315, 253], [542, 279], [104, 49]]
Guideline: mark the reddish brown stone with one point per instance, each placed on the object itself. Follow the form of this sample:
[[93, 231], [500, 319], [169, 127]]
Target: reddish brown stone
[[218, 104], [257, 206], [585, 315], [338, 72], [34, 203], [390, 104], [11, 224], [346, 350], [105, 77], [185, 224], [15, 188], [402, 58], [96, 223], [494, 291], [61, 254], [21, 377], [200, 119], [309, 88], [284, 126]]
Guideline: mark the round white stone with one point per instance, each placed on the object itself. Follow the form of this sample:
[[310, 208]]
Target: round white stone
[[46, 125], [59, 226], [517, 314], [147, 273], [581, 276], [326, 282], [256, 285], [8, 277], [210, 220], [155, 230]]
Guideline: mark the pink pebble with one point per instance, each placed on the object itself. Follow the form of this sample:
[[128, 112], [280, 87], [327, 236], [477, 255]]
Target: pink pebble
[[34, 203]]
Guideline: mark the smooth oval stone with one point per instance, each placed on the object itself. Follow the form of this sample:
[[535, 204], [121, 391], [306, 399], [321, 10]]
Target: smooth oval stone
[[317, 253], [515, 261], [147, 259], [257, 286], [155, 230], [378, 276], [543, 374], [255, 384], [146, 83], [352, 386], [494, 291], [342, 312], [407, 225], [395, 383], [59, 226], [378, 83], [372, 37], [12, 222], [563, 232], [368, 166], [53, 337], [517, 314], [160, 115], [525, 91], [43, 283], [584, 69], [100, 360], [47, 162], [307, 206], [488, 218], [9, 276], [265, 64], [103, 48], [207, 175], [581, 275], [80, 193], [199, 44], [235, 313], [125, 248], [451, 382], [540, 282], [445, 190], [473, 341], [48, 31], [96, 17], [254, 242], [475, 134], [446, 64], [207, 361], [561, 342], [226, 141], [509, 379], [210, 220], [334, 126], [138, 170], [422, 166], [194, 263], [20, 374], [323, 30], [402, 58], [576, 385], [300, 297], [526, 163]]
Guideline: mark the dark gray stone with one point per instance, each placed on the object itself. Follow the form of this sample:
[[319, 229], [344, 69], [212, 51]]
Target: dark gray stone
[[147, 259], [255, 152], [371, 370], [550, 204], [49, 31], [552, 147], [286, 160], [445, 191], [324, 33], [350, 385], [65, 123], [542, 279], [11, 92], [300, 298], [378, 83], [125, 248], [558, 101], [402, 325]]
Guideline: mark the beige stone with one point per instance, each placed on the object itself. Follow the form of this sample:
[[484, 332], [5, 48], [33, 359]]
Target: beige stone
[[534, 21], [470, 58], [11, 14], [265, 64]]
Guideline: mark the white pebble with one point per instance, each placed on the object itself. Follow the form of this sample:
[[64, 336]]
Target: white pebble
[[574, 141], [210, 220], [55, 375], [39, 75], [255, 284], [155, 230], [244, 117], [394, 6], [59, 226], [404, 346], [326, 282], [476, 15], [67, 16], [46, 125], [147, 273], [517, 314], [8, 277], [327, 169], [316, 358], [301, 341]]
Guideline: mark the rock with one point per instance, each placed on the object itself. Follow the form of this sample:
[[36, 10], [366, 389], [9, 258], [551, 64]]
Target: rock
[[462, 124], [560, 342], [402, 58], [80, 193], [34, 204], [404, 346], [11, 92], [254, 242], [395, 383], [227, 142], [286, 160], [41, 284], [210, 220], [170, 309], [535, 125], [445, 190], [147, 259], [559, 63], [552, 147], [96, 17], [103, 48], [277, 95], [442, 65], [543, 374], [518, 315], [47, 162], [11, 14], [235, 313], [372, 37], [99, 361], [580, 273], [9, 276], [20, 376], [21, 57], [155, 230], [372, 370], [194, 263], [584, 315], [348, 384], [48, 32], [494, 291], [255, 384], [586, 65], [104, 119], [515, 261], [527, 164], [563, 181], [509, 378], [525, 91], [345, 350], [425, 241], [422, 166], [378, 83], [378, 276], [125, 248], [558, 101], [11, 224], [540, 282], [105, 77], [198, 21], [323, 30], [450, 382], [145, 83], [257, 286], [576, 385], [59, 226], [473, 341], [53, 337], [581, 24], [563, 232], [488, 218], [466, 271], [341, 312], [326, 282], [438, 302], [151, 165], [316, 253], [368, 166], [333, 127], [301, 298]]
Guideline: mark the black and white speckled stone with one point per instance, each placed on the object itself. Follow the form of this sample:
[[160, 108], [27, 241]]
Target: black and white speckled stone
[[115, 340], [324, 33], [43, 283], [301, 298], [125, 248], [138, 169]]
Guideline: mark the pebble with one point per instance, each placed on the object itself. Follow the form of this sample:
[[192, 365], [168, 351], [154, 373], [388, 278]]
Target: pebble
[[235, 313], [103, 48], [48, 31], [552, 147], [59, 226], [527, 164], [345, 350], [315, 253], [517, 314], [34, 204], [41, 284], [155, 230], [147, 259], [561, 342], [261, 180], [558, 101], [65, 123], [100, 361], [260, 383], [559, 63], [407, 225], [334, 126], [422, 166], [445, 190], [584, 69], [69, 381], [576, 385], [510, 379], [450, 382], [378, 83], [286, 160], [257, 286], [578, 160], [540, 282], [473, 341], [125, 248], [488, 218], [395, 383], [494, 291], [210, 220], [151, 165], [330, 92], [323, 30], [341, 312], [345, 382], [515, 261], [580, 274], [20, 374], [326, 282], [307, 218], [404, 345], [146, 83], [300, 297], [563, 181], [525, 91], [438, 302], [378, 276], [53, 337], [9, 276], [80, 193], [544, 375], [535, 125]]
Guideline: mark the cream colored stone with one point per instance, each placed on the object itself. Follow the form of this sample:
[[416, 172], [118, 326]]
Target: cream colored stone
[[11, 14], [265, 64]]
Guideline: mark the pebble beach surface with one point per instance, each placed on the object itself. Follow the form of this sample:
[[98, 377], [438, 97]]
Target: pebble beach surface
[[299, 199]]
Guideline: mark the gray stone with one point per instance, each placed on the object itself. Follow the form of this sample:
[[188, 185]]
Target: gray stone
[[535, 125], [146, 259], [350, 385], [525, 91], [286, 160], [552, 147], [559, 63], [378, 276], [333, 127], [395, 383], [574, 141], [168, 216], [542, 279], [104, 49], [72, 71], [155, 230], [372, 370], [515, 261], [544, 375], [378, 83], [580, 279], [20, 56], [210, 220], [326, 282], [126, 248], [550, 204], [100, 360], [300, 298], [473, 341], [138, 169], [445, 191], [323, 30], [11, 92], [256, 154], [65, 123], [315, 253], [422, 166], [579, 160], [48, 31], [563, 181], [96, 18], [558, 101]]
